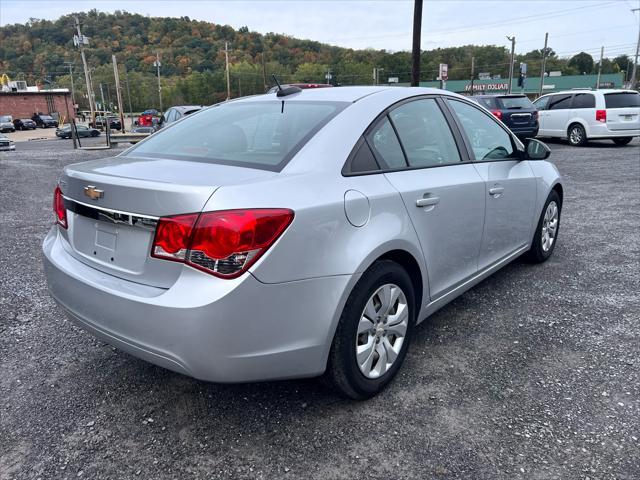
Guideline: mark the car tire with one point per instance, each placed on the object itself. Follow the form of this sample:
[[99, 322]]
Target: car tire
[[385, 279], [545, 237], [95, 134], [576, 135], [621, 141]]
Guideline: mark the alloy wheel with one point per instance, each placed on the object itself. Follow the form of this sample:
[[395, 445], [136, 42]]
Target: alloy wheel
[[549, 226], [381, 330]]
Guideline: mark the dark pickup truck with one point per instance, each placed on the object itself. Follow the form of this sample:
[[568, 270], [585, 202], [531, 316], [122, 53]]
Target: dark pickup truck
[[516, 112]]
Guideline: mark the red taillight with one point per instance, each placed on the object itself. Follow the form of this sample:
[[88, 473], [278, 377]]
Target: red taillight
[[601, 116], [224, 243], [58, 208], [497, 114]]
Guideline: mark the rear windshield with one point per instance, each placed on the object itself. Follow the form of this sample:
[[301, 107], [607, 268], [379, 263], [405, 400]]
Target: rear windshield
[[489, 103], [622, 100], [263, 135], [508, 103]]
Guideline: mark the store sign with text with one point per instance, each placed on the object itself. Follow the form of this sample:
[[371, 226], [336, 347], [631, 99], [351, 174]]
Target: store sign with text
[[487, 87]]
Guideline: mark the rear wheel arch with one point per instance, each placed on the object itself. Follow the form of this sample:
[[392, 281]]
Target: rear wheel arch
[[560, 191], [407, 261]]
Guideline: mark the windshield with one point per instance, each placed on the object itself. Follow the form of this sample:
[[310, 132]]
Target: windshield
[[45, 117], [263, 135], [622, 100], [5, 118], [508, 103]]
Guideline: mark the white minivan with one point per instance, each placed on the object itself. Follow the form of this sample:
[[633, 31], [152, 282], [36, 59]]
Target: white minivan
[[583, 115]]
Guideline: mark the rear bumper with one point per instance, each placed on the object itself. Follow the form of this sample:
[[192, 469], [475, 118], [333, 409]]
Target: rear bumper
[[217, 330], [525, 132], [603, 131]]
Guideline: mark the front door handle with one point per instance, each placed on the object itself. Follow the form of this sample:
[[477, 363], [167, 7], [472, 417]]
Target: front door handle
[[427, 201], [496, 191]]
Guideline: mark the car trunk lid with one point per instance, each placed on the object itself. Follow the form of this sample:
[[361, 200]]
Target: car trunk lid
[[113, 206], [623, 110]]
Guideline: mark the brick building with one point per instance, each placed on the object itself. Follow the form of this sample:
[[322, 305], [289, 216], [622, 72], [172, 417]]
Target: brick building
[[23, 104]]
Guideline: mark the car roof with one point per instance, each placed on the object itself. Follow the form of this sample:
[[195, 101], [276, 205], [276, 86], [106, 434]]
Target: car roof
[[590, 90], [346, 94]]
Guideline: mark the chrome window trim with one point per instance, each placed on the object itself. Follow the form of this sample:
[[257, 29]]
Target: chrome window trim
[[107, 214]]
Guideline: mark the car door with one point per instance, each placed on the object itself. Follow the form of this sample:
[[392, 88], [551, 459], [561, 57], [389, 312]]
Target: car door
[[558, 110], [510, 185], [442, 191], [541, 104]]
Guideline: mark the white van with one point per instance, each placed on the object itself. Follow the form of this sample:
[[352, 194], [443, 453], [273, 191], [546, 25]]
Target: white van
[[583, 115]]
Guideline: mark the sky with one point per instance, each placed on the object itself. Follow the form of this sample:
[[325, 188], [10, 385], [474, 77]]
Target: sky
[[573, 25]]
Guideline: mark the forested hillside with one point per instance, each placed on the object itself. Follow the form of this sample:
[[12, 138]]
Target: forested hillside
[[192, 57]]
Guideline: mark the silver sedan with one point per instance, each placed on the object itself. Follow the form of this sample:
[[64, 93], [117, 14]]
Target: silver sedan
[[297, 233]]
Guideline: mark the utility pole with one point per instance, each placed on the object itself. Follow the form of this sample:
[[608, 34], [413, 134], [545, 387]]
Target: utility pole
[[544, 63], [157, 64], [473, 72], [635, 63], [415, 50], [102, 98], [264, 72], [226, 62], [87, 75], [126, 79], [599, 67], [116, 76], [513, 51], [73, 92]]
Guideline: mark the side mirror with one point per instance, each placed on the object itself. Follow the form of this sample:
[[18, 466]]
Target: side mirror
[[536, 150], [162, 120]]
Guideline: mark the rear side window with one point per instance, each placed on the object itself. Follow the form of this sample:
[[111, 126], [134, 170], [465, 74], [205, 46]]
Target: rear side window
[[424, 134], [384, 141], [622, 100], [363, 160], [559, 102], [584, 100], [264, 135], [511, 103], [488, 139]]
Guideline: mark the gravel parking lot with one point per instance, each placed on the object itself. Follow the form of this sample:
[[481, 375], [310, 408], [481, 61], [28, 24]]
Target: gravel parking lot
[[533, 374]]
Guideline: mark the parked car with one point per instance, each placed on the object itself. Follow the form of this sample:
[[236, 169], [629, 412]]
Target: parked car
[[44, 121], [303, 86], [583, 115], [83, 131], [100, 122], [6, 124], [515, 111], [6, 144], [144, 130], [176, 113], [24, 124], [270, 238], [148, 118]]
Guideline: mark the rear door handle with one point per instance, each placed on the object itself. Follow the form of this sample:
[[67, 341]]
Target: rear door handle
[[496, 191], [427, 201]]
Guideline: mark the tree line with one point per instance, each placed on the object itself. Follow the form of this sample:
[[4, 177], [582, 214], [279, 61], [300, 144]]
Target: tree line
[[193, 61]]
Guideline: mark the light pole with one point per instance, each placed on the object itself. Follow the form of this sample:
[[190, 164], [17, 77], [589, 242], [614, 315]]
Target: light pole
[[513, 50], [635, 63], [157, 64]]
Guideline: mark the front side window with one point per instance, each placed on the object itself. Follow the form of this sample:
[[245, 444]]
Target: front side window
[[264, 135], [584, 100], [425, 134], [488, 139], [385, 142], [559, 102]]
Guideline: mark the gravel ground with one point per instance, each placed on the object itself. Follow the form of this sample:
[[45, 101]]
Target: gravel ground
[[533, 374]]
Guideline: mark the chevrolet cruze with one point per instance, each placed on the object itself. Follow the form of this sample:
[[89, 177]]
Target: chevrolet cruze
[[298, 233]]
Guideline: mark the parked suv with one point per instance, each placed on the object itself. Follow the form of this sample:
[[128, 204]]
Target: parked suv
[[516, 112], [583, 115], [6, 124]]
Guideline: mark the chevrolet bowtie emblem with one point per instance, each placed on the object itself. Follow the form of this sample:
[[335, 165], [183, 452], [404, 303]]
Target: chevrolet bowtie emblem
[[93, 193]]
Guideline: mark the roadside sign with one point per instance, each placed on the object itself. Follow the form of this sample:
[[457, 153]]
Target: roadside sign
[[484, 75], [443, 72], [393, 80]]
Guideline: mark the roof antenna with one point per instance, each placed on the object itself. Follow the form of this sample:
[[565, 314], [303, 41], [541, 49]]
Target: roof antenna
[[283, 92]]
